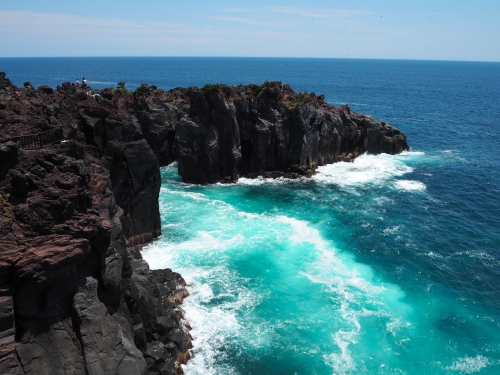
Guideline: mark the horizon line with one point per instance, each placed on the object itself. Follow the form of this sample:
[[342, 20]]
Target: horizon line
[[248, 57]]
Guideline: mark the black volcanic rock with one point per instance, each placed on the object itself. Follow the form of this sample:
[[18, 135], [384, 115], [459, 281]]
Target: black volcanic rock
[[256, 130], [159, 119], [46, 89], [7, 88]]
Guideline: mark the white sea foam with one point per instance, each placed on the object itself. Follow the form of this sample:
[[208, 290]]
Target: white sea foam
[[162, 254], [410, 185], [396, 325], [101, 82], [351, 286], [484, 257], [269, 181], [218, 296], [410, 153], [342, 362], [469, 365], [214, 326], [252, 181], [187, 194], [475, 254], [391, 230], [382, 200], [366, 170], [432, 255], [172, 165]]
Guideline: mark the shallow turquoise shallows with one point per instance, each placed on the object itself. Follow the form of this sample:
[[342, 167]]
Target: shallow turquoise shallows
[[275, 288], [388, 265]]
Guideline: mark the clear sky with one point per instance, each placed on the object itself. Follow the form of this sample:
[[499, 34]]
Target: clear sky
[[424, 29]]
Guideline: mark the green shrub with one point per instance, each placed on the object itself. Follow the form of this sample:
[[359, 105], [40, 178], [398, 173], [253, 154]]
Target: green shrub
[[226, 90], [292, 101], [143, 90], [121, 85], [262, 92], [303, 95]]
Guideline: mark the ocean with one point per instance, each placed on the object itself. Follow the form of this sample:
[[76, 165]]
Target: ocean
[[388, 265]]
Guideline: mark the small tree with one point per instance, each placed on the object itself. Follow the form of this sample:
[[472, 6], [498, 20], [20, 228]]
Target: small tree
[[121, 85], [143, 90]]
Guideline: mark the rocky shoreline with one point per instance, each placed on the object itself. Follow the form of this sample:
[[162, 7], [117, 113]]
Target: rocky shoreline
[[76, 297]]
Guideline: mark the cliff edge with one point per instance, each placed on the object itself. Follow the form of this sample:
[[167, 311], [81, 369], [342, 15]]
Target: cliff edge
[[75, 295]]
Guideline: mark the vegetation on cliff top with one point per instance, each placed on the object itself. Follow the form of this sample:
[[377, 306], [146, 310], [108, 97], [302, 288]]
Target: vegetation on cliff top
[[210, 88]]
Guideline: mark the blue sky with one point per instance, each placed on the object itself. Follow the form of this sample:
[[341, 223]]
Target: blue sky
[[436, 30]]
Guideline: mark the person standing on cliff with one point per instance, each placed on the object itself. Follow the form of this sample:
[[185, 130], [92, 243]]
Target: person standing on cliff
[[77, 82], [84, 83]]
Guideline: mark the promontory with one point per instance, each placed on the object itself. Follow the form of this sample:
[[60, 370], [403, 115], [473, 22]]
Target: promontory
[[79, 187]]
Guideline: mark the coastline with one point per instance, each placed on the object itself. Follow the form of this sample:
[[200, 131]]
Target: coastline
[[75, 212]]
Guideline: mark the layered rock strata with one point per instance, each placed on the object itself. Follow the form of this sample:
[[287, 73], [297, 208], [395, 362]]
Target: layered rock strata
[[76, 297]]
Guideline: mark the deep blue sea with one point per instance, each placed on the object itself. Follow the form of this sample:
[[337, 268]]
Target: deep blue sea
[[388, 265]]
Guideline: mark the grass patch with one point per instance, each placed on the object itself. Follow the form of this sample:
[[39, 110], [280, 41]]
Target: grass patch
[[293, 101], [8, 209]]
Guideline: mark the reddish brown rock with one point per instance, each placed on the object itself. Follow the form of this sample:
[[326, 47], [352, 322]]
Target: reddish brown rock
[[66, 214]]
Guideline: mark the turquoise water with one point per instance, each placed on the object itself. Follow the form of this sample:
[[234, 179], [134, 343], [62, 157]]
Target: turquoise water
[[388, 265], [276, 289]]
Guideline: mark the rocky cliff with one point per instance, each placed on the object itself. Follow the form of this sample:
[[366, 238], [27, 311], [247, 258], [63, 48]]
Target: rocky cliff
[[75, 295], [222, 133]]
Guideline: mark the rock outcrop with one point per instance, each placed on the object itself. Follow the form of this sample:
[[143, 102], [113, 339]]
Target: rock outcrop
[[222, 133], [76, 297]]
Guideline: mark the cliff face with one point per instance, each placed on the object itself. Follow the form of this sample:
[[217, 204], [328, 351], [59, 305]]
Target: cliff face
[[75, 298], [75, 295], [269, 129]]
